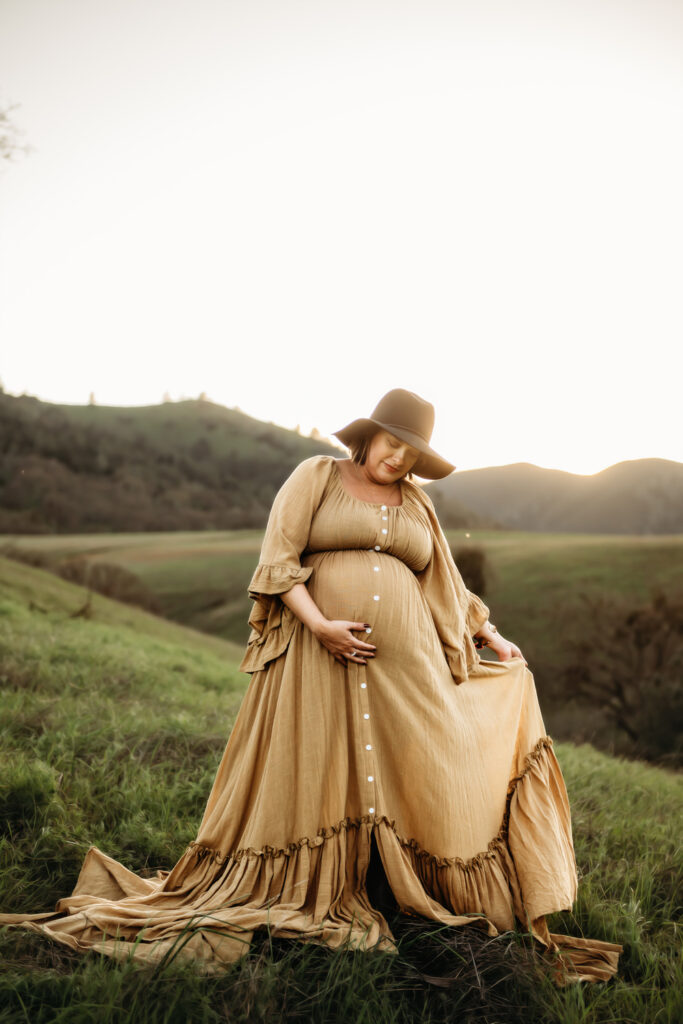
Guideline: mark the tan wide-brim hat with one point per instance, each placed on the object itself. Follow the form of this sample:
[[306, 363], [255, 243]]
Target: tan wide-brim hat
[[409, 417]]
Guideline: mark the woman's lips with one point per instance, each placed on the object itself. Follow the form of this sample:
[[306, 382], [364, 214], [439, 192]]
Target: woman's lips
[[390, 468]]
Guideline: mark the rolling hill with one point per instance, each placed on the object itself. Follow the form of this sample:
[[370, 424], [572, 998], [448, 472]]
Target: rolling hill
[[190, 465], [643, 496]]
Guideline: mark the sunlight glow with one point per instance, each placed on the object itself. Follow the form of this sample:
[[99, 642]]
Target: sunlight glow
[[296, 207]]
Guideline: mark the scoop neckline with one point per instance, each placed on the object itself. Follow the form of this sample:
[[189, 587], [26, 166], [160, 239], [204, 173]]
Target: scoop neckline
[[374, 504]]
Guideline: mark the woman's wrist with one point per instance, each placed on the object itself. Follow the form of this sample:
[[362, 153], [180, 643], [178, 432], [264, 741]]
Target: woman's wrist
[[487, 635], [317, 625], [487, 631]]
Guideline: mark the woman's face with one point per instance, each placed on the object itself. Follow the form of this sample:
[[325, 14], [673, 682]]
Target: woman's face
[[389, 458]]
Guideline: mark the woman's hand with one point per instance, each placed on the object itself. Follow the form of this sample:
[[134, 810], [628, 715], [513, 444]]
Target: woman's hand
[[505, 649], [337, 636]]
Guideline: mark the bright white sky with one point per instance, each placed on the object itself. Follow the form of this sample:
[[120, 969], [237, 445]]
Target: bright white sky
[[296, 205]]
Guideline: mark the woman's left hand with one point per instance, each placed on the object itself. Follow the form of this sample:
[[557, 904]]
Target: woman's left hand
[[505, 649]]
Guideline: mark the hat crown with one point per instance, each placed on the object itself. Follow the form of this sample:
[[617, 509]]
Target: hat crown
[[406, 410]]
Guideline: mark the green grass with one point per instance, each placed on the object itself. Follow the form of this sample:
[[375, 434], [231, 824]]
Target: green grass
[[111, 730], [199, 578]]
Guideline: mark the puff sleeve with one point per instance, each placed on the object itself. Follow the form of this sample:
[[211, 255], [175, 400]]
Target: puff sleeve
[[457, 613], [279, 567]]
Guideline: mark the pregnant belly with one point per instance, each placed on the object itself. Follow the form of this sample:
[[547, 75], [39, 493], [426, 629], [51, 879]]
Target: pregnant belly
[[368, 586]]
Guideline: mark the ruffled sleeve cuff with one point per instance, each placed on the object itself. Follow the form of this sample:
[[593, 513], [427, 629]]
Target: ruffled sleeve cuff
[[272, 622], [276, 579], [477, 613]]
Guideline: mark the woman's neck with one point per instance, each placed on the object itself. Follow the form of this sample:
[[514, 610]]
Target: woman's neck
[[362, 486]]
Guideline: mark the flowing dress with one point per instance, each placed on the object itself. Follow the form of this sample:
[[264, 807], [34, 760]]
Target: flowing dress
[[442, 757]]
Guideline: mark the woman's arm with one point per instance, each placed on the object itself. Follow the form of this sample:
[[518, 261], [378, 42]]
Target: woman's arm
[[334, 634]]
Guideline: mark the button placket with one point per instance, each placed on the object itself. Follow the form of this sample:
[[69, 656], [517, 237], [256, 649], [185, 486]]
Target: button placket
[[370, 774], [367, 766]]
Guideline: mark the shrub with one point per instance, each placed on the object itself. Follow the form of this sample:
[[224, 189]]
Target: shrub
[[474, 568], [110, 580], [38, 559], [628, 661]]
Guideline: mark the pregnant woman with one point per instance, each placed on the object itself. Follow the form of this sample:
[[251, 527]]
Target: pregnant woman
[[371, 734]]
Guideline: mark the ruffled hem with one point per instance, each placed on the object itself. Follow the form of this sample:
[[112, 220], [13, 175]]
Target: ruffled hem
[[207, 908], [544, 745]]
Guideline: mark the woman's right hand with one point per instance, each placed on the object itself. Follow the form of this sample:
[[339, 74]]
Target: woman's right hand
[[337, 636]]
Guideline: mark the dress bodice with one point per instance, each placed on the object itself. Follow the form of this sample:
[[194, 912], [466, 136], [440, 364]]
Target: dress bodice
[[342, 522]]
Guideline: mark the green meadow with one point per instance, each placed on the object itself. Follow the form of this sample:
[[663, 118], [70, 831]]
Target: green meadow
[[536, 586], [113, 723]]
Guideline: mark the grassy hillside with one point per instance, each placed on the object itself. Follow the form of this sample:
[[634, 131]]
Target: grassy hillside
[[112, 728], [639, 496], [175, 466]]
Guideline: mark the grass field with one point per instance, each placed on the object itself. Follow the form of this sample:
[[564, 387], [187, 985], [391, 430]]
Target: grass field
[[112, 729], [536, 583]]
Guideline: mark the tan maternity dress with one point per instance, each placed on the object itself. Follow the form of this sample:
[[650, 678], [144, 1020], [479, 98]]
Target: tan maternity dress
[[443, 756]]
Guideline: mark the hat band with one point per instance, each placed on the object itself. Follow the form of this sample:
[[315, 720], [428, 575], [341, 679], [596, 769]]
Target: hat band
[[403, 426]]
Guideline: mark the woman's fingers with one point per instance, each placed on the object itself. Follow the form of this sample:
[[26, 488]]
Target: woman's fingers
[[518, 654], [357, 645], [344, 646], [360, 645]]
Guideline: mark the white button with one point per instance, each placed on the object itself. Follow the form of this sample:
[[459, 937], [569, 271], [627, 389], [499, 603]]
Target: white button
[[371, 778], [369, 629], [384, 519], [377, 548], [366, 716], [371, 810], [376, 568], [384, 508], [384, 529], [368, 746], [376, 597], [363, 686]]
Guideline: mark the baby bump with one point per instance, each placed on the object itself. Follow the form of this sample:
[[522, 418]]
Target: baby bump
[[367, 586]]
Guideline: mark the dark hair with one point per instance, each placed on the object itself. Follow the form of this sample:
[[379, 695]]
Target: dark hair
[[360, 445]]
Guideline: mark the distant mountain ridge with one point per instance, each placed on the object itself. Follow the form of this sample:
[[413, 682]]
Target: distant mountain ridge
[[641, 496]]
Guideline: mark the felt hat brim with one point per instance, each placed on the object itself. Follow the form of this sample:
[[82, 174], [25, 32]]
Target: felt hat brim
[[429, 466]]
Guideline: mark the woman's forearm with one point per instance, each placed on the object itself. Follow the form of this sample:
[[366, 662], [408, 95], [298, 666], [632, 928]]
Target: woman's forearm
[[304, 607], [487, 632]]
